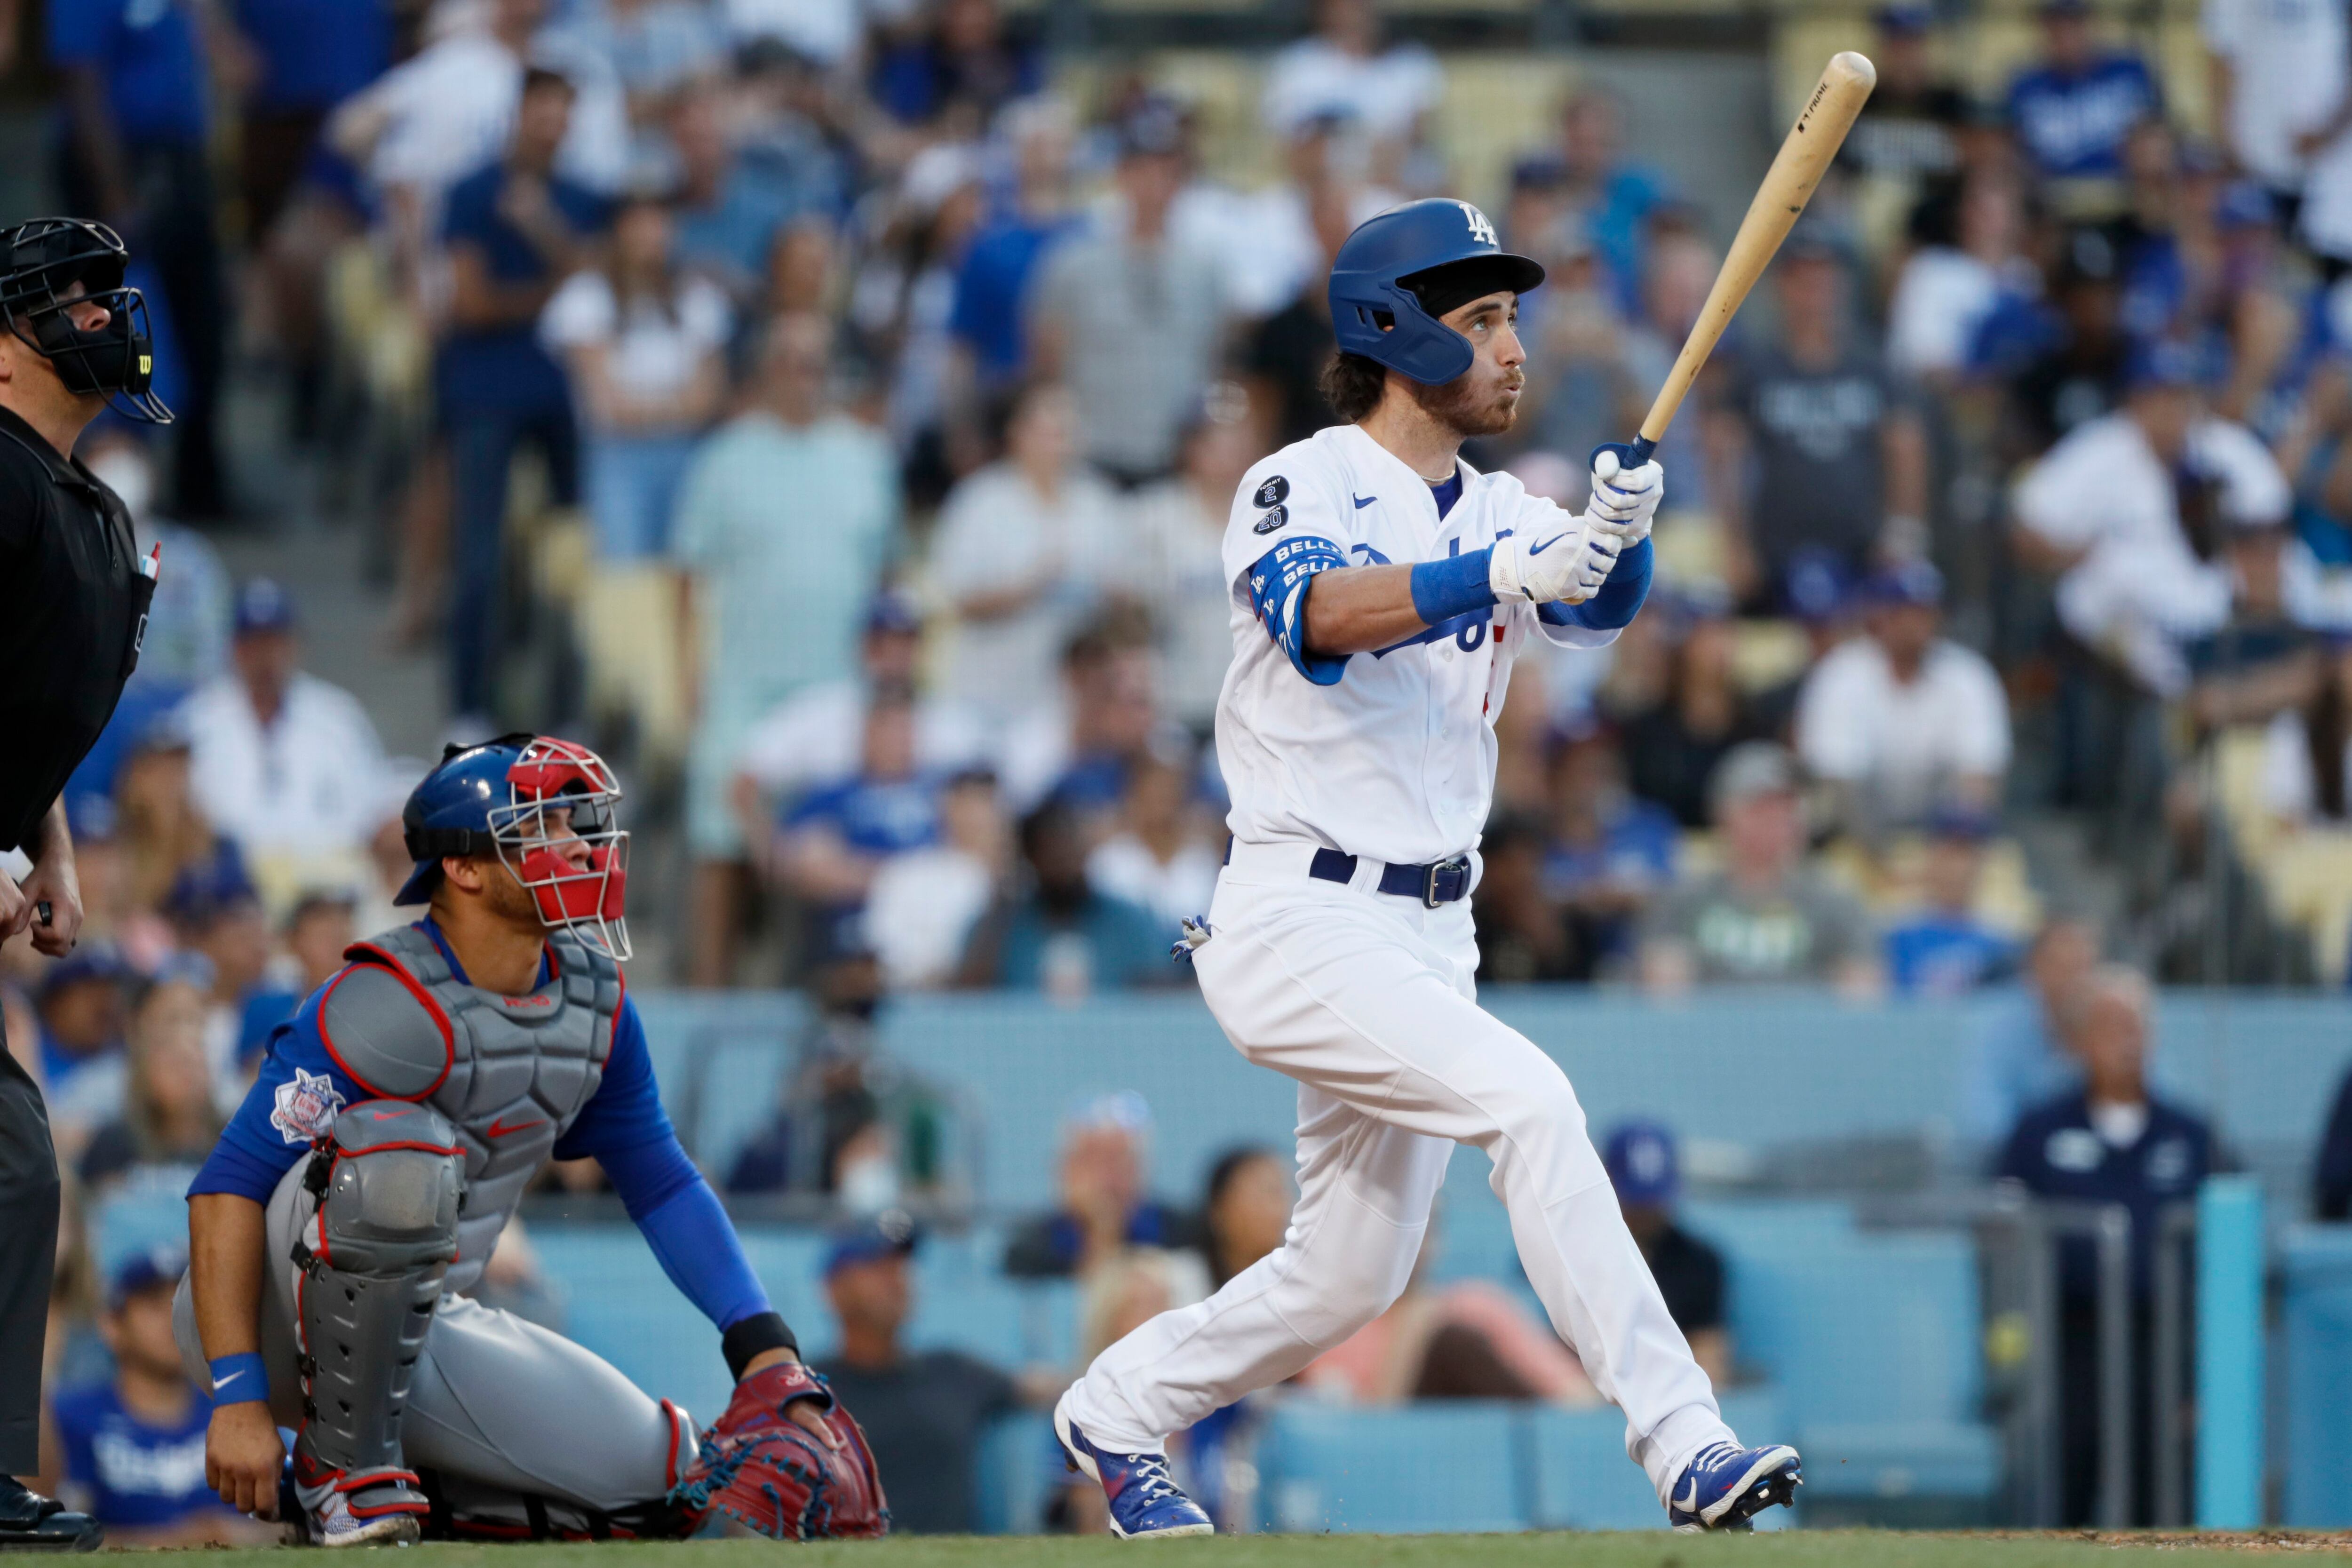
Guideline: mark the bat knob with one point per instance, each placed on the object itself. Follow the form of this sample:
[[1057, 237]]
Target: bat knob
[[1630, 454]]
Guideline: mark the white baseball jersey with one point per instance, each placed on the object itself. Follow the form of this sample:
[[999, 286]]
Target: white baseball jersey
[[1396, 759]]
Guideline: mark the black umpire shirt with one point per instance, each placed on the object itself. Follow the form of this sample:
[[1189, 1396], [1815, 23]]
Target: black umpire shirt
[[73, 609]]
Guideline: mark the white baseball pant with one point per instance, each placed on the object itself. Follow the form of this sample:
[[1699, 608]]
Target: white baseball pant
[[1368, 1000]]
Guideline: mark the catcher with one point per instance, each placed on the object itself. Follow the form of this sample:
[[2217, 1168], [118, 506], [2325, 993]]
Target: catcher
[[368, 1172]]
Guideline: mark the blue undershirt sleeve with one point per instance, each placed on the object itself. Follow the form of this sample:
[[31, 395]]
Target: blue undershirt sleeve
[[628, 1133], [255, 1151], [1620, 599], [1278, 585]]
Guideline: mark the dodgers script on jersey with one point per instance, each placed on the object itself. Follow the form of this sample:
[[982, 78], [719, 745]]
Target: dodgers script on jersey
[[1395, 759]]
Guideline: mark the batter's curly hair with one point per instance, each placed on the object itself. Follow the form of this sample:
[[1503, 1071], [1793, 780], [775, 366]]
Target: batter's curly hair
[[1351, 385]]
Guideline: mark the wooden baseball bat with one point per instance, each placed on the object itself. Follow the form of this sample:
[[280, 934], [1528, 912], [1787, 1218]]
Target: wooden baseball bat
[[1788, 186]]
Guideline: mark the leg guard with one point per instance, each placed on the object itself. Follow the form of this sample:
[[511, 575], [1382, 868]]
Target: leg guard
[[386, 1185]]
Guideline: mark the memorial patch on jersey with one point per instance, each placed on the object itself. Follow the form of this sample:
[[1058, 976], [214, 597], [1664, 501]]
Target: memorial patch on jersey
[[1272, 520], [305, 1107], [1274, 492]]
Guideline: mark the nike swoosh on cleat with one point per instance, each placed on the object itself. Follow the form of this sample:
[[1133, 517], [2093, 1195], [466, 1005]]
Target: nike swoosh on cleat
[[1546, 544], [1362, 501]]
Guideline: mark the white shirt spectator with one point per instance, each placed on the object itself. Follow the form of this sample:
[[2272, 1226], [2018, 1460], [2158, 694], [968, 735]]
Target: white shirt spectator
[[920, 911], [813, 737], [1175, 890], [1901, 740], [653, 351], [1941, 298], [823, 30], [309, 784], [997, 532], [2287, 60], [1384, 94], [1174, 565], [2139, 592]]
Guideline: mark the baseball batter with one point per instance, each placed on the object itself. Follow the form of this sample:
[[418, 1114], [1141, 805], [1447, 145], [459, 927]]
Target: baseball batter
[[1381, 589]]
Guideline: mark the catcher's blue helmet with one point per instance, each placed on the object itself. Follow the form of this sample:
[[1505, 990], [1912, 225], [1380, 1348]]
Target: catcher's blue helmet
[[1376, 303]]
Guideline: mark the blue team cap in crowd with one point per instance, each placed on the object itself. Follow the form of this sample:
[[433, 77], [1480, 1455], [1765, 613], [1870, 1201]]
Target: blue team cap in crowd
[[1642, 1164], [890, 1233], [1907, 583], [263, 605], [2161, 362], [893, 612], [203, 891], [1906, 17], [158, 1268], [1965, 823], [1817, 584], [2245, 204], [91, 961]]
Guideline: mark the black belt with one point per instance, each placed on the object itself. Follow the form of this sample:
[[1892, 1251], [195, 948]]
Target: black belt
[[1441, 883]]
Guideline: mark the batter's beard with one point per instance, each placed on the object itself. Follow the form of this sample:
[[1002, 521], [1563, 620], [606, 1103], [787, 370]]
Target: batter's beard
[[1456, 406]]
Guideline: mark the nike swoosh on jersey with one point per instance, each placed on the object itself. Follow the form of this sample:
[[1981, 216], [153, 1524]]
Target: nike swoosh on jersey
[[1546, 544], [499, 1129], [1362, 501]]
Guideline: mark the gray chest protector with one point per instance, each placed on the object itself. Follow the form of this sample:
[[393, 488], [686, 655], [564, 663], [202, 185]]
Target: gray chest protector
[[509, 1074]]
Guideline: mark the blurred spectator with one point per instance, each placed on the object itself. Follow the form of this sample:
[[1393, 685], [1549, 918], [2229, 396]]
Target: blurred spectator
[[922, 904], [1245, 1210], [1103, 1206], [2070, 369], [2260, 666], [1158, 855], [924, 1412], [782, 530], [902, 310], [644, 343], [317, 930], [1523, 935], [216, 913], [514, 1281], [828, 846], [1949, 288], [188, 622], [1061, 934], [2073, 110], [1023, 549], [1900, 721], [1674, 746], [133, 155], [1609, 853], [1175, 569], [656, 48], [1082, 749], [81, 1004], [993, 299], [1646, 1168], [1132, 315], [814, 736], [308, 56], [2112, 1142], [1611, 199], [2018, 1054], [109, 914], [1283, 357], [514, 230], [134, 1446], [1942, 949], [1341, 72], [169, 1115], [2276, 74], [2126, 510], [1909, 132], [1839, 457], [1468, 1339], [1766, 916], [163, 834], [2306, 778], [730, 205], [1582, 390], [287, 764], [962, 64]]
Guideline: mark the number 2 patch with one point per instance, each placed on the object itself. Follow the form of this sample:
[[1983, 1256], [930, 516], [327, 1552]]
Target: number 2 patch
[[1274, 492]]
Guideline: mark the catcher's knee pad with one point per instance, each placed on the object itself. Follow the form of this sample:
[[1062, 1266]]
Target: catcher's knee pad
[[387, 1183]]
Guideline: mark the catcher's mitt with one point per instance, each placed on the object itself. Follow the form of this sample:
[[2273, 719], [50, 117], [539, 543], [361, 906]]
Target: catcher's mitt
[[766, 1472]]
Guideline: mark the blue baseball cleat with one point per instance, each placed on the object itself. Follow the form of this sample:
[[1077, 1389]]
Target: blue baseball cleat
[[1724, 1486], [1146, 1503]]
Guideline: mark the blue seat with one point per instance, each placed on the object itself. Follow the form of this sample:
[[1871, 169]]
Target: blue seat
[[1018, 1467], [2318, 1262], [1453, 1467], [1891, 1459]]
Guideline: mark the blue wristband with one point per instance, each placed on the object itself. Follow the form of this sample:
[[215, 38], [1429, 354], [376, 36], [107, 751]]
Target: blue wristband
[[238, 1378], [1454, 587]]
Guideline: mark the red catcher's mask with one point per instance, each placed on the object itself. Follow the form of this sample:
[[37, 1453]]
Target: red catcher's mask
[[559, 833]]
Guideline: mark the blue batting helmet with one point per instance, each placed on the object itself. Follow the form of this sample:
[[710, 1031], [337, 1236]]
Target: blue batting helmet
[[1381, 285]]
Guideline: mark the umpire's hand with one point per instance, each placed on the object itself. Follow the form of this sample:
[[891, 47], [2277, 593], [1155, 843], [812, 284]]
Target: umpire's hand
[[243, 1458], [53, 891]]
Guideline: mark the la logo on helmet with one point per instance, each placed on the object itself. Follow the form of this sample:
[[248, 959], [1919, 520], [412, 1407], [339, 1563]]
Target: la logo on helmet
[[1480, 229]]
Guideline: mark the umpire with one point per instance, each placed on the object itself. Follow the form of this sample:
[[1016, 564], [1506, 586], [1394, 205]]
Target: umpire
[[74, 594]]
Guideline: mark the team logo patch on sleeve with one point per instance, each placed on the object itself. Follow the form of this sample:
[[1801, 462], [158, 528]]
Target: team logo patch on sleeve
[[1272, 520], [305, 1107], [1274, 492]]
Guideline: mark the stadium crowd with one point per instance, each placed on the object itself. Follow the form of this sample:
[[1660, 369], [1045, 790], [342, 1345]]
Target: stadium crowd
[[834, 414]]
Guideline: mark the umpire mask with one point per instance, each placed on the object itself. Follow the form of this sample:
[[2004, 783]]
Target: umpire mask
[[52, 269]]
